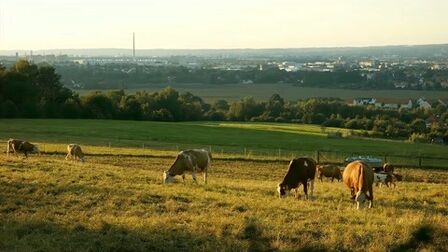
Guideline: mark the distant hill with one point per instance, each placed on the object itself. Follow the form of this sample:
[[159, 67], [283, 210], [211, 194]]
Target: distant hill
[[420, 51]]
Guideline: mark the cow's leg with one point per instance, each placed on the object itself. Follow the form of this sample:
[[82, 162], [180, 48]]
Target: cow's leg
[[311, 187], [193, 174], [305, 189], [8, 146], [205, 176], [296, 192], [352, 193], [370, 197]]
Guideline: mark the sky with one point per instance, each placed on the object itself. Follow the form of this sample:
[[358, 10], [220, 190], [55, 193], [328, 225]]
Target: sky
[[210, 24]]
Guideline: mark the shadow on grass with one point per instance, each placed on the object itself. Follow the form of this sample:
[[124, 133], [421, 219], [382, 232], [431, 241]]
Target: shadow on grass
[[47, 236], [425, 236]]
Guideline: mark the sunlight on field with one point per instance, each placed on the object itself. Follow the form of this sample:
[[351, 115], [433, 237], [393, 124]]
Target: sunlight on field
[[284, 127], [119, 203]]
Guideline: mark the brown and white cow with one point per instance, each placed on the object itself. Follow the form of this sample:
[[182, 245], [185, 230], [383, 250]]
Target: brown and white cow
[[19, 146], [74, 152], [329, 171], [358, 176], [196, 160], [300, 171]]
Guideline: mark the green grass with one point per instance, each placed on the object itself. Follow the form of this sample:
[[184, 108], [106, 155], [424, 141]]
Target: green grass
[[256, 139], [118, 203], [232, 92]]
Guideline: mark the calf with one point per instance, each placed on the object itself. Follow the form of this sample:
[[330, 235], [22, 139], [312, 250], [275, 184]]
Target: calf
[[329, 171], [300, 170], [359, 177], [74, 152]]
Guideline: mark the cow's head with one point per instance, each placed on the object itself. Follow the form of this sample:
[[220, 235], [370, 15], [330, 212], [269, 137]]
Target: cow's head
[[167, 178], [360, 199], [282, 190], [35, 149]]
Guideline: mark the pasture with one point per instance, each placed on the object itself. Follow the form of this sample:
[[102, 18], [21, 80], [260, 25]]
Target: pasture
[[118, 203], [276, 140], [262, 92]]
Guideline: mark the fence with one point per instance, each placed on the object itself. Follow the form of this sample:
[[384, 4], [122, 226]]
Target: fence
[[151, 148]]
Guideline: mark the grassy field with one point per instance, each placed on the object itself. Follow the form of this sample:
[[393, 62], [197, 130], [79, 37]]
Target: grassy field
[[248, 139], [118, 203], [232, 92]]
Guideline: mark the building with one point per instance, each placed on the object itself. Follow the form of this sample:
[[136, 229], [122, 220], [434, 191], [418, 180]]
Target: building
[[423, 104], [364, 101]]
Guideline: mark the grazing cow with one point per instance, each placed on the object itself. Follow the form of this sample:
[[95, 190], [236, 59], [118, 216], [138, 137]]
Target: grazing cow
[[329, 171], [74, 152], [300, 170], [19, 146], [388, 168], [358, 176], [189, 160]]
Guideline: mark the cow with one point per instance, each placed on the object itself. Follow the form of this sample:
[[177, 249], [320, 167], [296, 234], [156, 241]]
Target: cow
[[196, 160], [300, 170], [74, 152], [19, 146], [385, 178], [329, 171], [358, 176], [387, 167]]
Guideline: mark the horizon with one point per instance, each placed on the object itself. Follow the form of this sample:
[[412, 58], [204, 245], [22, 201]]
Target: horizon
[[211, 25], [13, 51]]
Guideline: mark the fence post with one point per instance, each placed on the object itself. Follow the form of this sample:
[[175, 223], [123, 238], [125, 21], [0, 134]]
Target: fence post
[[385, 158], [245, 152], [279, 153], [318, 156], [420, 162]]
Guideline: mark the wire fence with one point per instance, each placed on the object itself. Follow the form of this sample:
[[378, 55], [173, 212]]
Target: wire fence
[[118, 147]]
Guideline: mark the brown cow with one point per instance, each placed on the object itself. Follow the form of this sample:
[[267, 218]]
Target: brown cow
[[197, 160], [19, 146], [74, 152], [329, 171], [358, 176], [300, 170]]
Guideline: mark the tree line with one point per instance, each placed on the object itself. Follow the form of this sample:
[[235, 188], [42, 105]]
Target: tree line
[[35, 91], [126, 75]]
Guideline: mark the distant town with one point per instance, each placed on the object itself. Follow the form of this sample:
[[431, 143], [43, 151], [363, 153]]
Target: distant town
[[413, 68]]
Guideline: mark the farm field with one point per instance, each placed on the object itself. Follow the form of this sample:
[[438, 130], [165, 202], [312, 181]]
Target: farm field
[[245, 140], [232, 92], [118, 203]]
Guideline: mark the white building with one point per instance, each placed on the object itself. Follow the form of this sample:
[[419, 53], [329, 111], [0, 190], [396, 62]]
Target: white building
[[423, 104], [364, 101]]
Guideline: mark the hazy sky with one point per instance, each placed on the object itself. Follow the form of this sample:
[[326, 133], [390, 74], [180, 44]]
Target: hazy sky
[[45, 24]]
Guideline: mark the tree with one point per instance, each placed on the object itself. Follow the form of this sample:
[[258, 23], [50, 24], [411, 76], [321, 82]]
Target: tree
[[418, 126]]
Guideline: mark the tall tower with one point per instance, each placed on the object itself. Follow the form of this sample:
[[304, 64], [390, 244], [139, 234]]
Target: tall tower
[[133, 45]]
